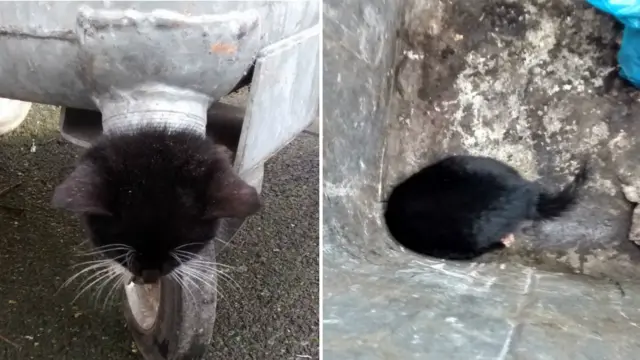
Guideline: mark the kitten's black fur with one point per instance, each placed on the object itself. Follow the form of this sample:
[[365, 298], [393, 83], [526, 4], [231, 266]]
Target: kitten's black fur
[[463, 206], [155, 191]]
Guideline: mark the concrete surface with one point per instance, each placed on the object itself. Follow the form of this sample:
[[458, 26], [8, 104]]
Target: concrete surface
[[274, 316], [413, 308], [381, 302]]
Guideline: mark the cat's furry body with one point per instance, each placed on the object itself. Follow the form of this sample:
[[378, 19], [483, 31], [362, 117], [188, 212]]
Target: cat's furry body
[[152, 197], [464, 206]]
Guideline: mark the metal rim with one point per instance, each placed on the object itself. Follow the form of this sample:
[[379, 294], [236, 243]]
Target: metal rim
[[144, 302]]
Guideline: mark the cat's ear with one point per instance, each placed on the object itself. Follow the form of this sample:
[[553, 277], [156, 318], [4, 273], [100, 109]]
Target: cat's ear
[[229, 196], [232, 197], [79, 192]]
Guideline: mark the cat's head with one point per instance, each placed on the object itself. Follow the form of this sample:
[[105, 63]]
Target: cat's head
[[152, 199]]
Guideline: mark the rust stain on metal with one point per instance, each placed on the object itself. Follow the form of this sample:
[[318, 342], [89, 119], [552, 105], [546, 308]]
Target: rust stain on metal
[[224, 48]]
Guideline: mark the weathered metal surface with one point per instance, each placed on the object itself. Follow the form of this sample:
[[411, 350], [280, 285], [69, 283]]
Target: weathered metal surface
[[520, 81], [64, 53], [284, 97], [161, 66]]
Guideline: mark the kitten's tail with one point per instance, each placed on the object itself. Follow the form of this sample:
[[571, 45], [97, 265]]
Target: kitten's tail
[[551, 205]]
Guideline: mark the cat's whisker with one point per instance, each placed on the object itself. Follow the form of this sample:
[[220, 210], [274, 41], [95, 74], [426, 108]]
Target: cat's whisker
[[223, 275], [118, 270], [212, 263], [189, 244], [179, 277], [185, 255], [90, 262], [195, 274], [222, 241], [218, 291], [99, 252], [111, 295], [190, 277], [188, 254], [129, 258], [176, 277], [105, 271], [110, 274], [94, 275], [219, 268], [105, 283], [106, 248], [177, 257], [216, 267], [104, 265], [108, 261], [119, 283], [83, 271], [226, 243], [195, 258], [203, 266], [186, 279], [203, 278]]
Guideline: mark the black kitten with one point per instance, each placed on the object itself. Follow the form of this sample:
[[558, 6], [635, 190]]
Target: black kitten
[[152, 199], [464, 206]]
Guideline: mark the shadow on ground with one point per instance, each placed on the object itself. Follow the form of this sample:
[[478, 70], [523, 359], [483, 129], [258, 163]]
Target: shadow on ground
[[273, 316]]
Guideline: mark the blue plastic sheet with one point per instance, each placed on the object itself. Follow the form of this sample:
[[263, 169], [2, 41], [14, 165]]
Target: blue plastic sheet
[[628, 13]]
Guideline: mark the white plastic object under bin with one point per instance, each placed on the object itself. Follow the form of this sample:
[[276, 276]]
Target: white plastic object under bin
[[12, 114]]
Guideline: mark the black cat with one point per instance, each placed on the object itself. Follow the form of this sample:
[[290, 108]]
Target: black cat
[[464, 206], [151, 199]]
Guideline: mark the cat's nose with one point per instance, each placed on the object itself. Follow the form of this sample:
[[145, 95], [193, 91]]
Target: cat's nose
[[150, 276]]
